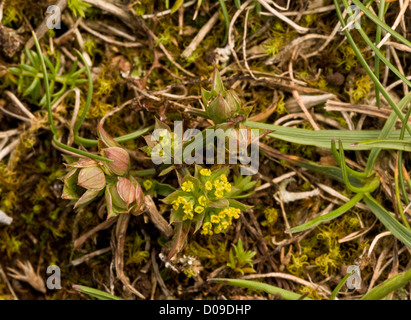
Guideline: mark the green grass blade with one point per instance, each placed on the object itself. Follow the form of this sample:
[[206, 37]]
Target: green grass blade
[[387, 130], [95, 293], [46, 85], [254, 285], [383, 25], [131, 136], [397, 229], [322, 138], [339, 286], [329, 216], [226, 20], [89, 95], [394, 283], [386, 144], [377, 40]]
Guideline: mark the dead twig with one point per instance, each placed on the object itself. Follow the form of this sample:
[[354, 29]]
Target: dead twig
[[120, 235], [156, 218], [102, 226]]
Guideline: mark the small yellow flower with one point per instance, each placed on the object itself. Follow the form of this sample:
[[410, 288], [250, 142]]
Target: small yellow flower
[[235, 213], [147, 184], [222, 213], [199, 209], [219, 185], [187, 186], [175, 204], [219, 194], [208, 186], [188, 207], [206, 230], [218, 229], [205, 172], [227, 187], [202, 201], [214, 218], [181, 200], [223, 178], [224, 224], [188, 216]]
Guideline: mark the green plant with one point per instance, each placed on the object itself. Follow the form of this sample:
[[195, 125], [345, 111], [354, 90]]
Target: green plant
[[123, 193], [207, 200], [95, 293], [30, 74], [135, 254], [362, 184], [241, 261], [78, 7], [220, 104], [254, 285]]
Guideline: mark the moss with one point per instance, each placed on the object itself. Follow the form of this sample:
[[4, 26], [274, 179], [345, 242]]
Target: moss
[[10, 244], [348, 58], [271, 216], [210, 255], [12, 16], [311, 293], [361, 89], [296, 267]]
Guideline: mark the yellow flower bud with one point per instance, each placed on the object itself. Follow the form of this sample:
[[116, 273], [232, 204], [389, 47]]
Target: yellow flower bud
[[205, 172], [187, 186], [199, 209], [202, 201], [208, 186]]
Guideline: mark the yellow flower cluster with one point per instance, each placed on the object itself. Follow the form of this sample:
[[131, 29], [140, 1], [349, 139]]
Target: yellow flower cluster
[[202, 201], [205, 172], [221, 185], [206, 230], [187, 186], [187, 207], [221, 220]]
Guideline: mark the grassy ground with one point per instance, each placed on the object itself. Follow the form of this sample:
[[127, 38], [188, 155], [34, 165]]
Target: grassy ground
[[297, 71]]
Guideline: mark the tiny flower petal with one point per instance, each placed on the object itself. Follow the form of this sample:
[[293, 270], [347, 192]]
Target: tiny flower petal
[[86, 198], [105, 137], [70, 187], [121, 160], [126, 190], [138, 209], [91, 178], [84, 163], [115, 197]]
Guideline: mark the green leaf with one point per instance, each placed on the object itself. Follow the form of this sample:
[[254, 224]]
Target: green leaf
[[397, 229], [329, 216], [383, 25], [95, 293], [254, 285], [394, 283], [322, 138], [238, 204], [339, 286], [163, 189], [177, 5], [220, 203], [386, 144]]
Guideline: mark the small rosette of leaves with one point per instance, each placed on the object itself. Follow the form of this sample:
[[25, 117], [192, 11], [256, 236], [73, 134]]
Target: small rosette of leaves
[[88, 179], [221, 104], [207, 200], [29, 74], [240, 260]]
